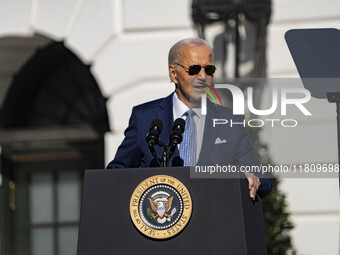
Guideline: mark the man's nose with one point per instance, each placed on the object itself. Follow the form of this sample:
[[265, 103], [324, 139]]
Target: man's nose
[[202, 75]]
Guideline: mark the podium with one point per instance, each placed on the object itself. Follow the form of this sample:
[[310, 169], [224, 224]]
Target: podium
[[223, 218]]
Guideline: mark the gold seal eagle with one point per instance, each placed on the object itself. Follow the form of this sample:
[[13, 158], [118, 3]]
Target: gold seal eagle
[[160, 206], [161, 203]]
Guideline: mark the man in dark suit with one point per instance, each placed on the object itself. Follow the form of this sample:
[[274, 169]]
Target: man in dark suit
[[191, 69]]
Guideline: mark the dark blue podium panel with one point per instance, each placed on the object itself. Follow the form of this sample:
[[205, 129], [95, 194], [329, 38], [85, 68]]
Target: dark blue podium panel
[[224, 219]]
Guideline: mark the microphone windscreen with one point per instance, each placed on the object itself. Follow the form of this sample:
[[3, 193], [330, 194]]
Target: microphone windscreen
[[179, 123], [157, 123]]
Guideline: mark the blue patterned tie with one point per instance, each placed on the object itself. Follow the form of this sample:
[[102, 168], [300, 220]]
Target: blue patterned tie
[[187, 148]]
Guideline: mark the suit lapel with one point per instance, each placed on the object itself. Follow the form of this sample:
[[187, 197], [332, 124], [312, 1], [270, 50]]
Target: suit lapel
[[208, 141]]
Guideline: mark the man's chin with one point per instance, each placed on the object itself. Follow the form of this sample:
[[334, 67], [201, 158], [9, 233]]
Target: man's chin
[[195, 98]]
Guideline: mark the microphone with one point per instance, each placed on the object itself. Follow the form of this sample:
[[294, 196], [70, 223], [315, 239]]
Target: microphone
[[154, 132], [176, 136], [153, 136]]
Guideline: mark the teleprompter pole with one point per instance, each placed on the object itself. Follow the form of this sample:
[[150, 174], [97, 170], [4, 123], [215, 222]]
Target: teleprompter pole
[[334, 97]]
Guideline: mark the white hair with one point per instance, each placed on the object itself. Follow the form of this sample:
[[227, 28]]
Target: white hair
[[189, 42]]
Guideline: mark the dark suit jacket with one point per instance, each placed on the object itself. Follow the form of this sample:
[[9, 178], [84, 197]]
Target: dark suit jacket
[[134, 152]]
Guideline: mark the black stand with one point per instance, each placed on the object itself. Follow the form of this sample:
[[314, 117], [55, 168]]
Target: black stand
[[165, 155], [335, 98]]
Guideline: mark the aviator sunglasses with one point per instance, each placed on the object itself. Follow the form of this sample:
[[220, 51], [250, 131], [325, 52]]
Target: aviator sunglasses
[[195, 69]]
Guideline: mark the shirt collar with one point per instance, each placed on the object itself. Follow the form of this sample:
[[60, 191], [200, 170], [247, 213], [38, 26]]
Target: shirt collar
[[179, 108]]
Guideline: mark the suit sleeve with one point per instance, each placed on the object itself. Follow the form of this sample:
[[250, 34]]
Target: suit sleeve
[[128, 154], [246, 156]]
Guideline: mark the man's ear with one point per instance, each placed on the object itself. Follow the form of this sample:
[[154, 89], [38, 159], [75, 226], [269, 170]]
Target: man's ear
[[173, 73]]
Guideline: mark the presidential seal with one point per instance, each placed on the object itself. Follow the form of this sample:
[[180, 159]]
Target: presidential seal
[[160, 207]]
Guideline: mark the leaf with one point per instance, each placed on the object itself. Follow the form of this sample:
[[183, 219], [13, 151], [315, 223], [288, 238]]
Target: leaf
[[150, 214]]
